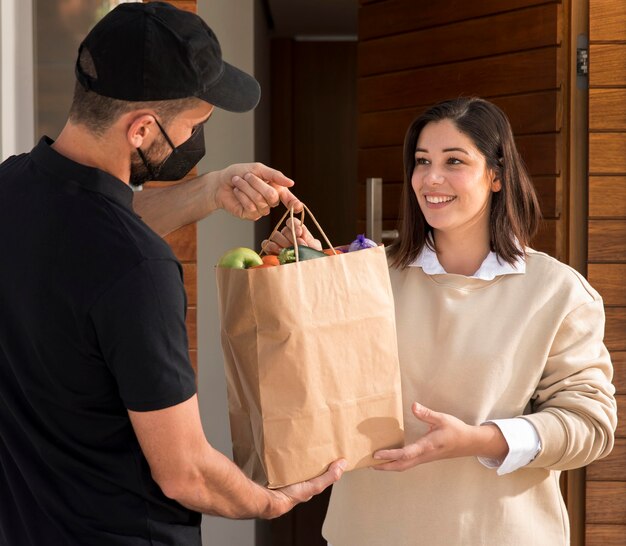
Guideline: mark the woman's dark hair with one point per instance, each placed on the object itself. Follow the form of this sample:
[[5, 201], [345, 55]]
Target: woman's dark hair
[[515, 213], [98, 113]]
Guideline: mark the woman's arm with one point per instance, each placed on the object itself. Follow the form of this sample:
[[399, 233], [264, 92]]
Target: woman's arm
[[447, 438], [574, 408]]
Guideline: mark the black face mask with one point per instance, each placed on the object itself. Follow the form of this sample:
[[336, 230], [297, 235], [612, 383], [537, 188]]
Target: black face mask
[[182, 159]]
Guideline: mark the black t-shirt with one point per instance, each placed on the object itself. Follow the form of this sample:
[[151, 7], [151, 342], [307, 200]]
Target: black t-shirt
[[92, 323]]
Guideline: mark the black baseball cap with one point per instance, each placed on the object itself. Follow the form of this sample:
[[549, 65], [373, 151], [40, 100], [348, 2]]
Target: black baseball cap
[[155, 51]]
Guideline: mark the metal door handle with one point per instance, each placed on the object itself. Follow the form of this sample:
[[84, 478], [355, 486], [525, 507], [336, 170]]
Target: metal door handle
[[374, 212]]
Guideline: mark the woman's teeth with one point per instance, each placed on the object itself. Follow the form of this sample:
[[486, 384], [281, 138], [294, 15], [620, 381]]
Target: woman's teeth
[[437, 199]]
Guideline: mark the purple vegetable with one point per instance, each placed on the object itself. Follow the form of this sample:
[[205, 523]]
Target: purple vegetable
[[360, 243]]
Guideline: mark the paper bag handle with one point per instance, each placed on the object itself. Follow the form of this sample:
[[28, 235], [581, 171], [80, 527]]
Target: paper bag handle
[[293, 230]]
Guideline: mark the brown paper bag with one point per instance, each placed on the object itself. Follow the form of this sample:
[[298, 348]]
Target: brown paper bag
[[311, 364]]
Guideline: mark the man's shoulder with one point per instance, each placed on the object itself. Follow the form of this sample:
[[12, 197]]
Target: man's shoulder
[[13, 162]]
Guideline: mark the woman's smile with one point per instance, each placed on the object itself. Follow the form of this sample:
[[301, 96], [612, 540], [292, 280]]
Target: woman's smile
[[437, 201]]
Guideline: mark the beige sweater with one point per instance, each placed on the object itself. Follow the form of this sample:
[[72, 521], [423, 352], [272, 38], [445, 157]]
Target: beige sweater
[[520, 345]]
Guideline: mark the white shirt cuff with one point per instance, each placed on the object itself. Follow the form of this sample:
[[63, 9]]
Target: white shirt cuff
[[524, 444]]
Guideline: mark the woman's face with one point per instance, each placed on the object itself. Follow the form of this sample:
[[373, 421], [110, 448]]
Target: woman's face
[[451, 180]]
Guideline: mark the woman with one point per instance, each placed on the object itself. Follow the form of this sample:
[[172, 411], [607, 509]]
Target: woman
[[505, 377]]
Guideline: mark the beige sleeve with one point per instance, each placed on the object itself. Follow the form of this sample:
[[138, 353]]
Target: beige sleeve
[[574, 410]]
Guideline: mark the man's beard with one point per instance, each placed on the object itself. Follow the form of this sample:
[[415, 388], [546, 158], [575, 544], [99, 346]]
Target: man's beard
[[139, 173]]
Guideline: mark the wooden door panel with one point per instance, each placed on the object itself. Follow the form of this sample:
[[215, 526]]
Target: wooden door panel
[[610, 468], [606, 502], [620, 432], [190, 277], [545, 187], [607, 196], [610, 281], [619, 367], [607, 20], [541, 153], [502, 75], [606, 152], [545, 240], [607, 109], [615, 333], [385, 163], [397, 16], [537, 112], [507, 32], [607, 241], [608, 64], [183, 242], [527, 114], [605, 535]]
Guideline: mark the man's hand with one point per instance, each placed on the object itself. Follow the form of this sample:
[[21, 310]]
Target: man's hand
[[447, 437], [284, 238], [189, 470], [245, 190], [249, 190], [287, 497]]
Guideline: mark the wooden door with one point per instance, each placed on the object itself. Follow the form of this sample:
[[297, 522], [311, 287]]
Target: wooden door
[[606, 479]]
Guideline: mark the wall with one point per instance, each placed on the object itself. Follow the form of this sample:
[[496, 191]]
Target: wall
[[16, 77], [230, 138], [2, 78], [606, 479]]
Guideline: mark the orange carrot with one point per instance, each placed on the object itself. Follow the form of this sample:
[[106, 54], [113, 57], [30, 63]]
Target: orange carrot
[[269, 260]]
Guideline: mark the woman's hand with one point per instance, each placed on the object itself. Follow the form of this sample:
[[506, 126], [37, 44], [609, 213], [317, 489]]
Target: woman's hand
[[284, 238], [447, 437]]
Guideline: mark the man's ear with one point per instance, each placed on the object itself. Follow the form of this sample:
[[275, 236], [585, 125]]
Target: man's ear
[[140, 130]]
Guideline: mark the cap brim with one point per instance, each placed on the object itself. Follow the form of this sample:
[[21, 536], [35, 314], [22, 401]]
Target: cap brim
[[235, 91]]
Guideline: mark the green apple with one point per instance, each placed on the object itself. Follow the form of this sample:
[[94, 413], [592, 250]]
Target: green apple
[[240, 258]]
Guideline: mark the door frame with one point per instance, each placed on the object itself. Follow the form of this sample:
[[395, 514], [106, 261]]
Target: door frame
[[17, 77], [575, 202]]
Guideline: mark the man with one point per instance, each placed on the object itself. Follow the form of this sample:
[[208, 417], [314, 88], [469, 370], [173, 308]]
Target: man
[[100, 437]]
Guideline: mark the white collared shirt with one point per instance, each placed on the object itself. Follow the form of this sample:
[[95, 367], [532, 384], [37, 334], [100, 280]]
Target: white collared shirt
[[520, 435], [491, 267]]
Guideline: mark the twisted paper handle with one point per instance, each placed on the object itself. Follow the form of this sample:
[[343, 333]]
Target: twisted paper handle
[[293, 230]]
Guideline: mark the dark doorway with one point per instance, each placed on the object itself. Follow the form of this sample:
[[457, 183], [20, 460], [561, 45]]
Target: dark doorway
[[313, 128]]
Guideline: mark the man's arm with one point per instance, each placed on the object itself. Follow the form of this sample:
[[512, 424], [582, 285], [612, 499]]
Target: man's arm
[[246, 190], [190, 471]]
